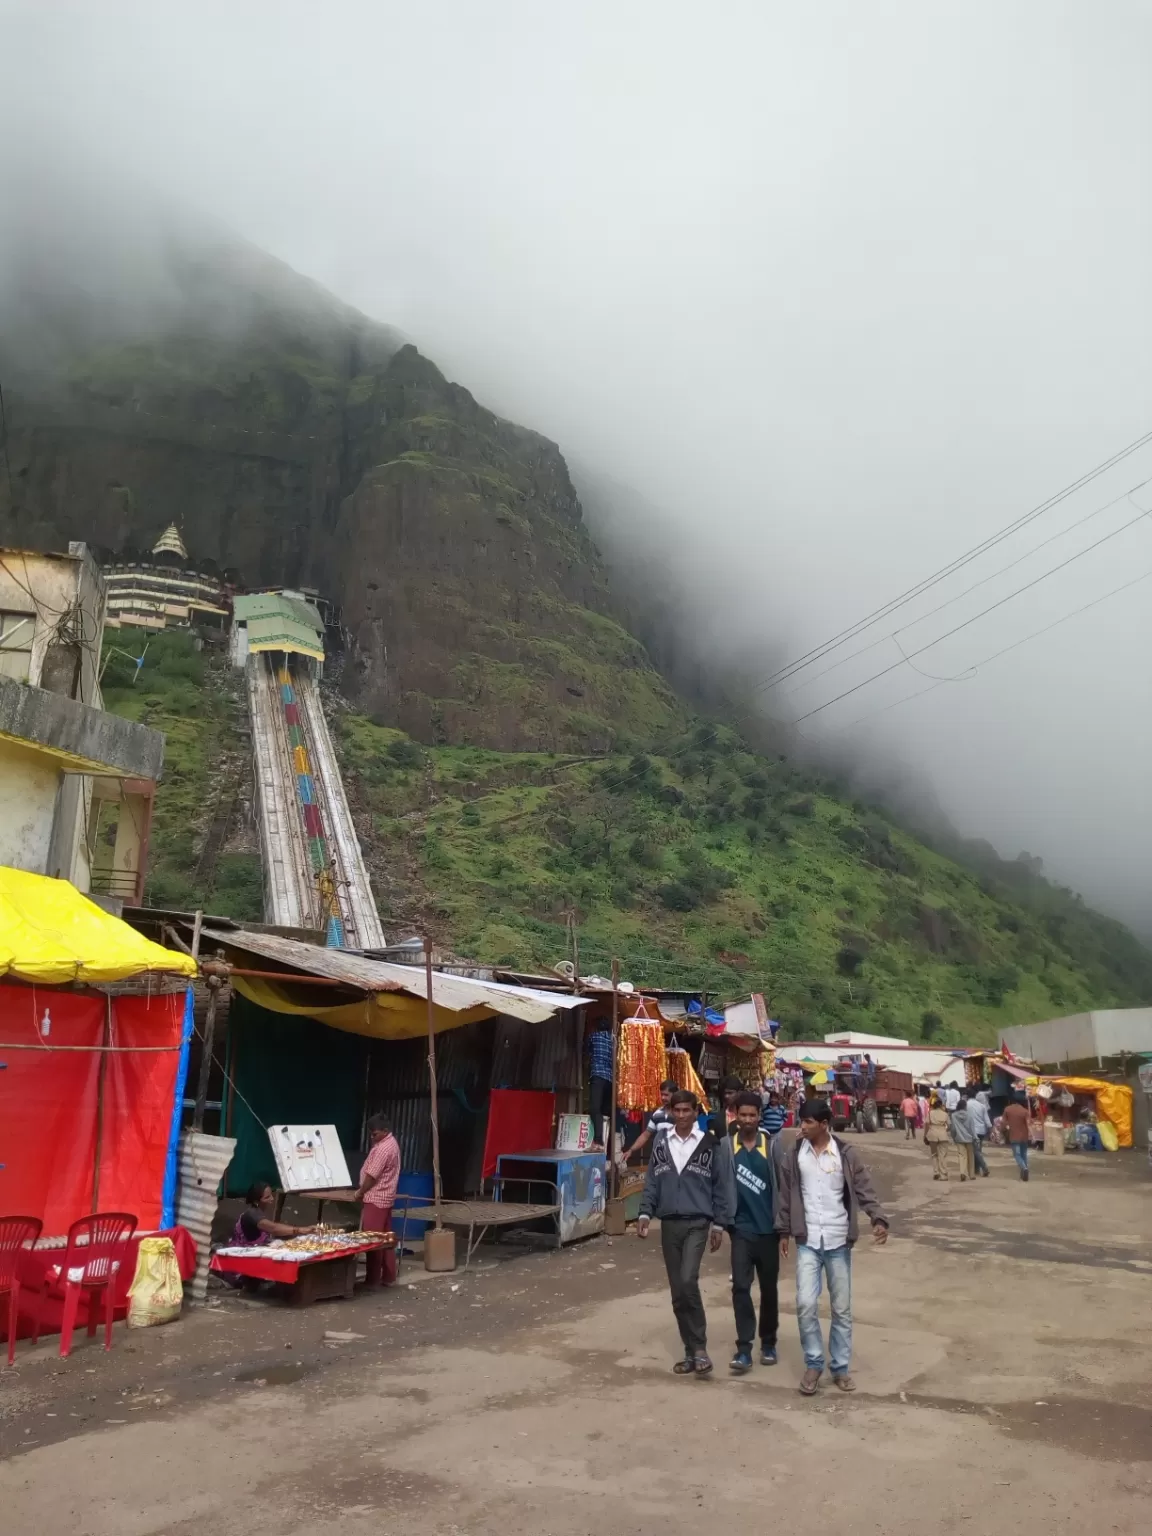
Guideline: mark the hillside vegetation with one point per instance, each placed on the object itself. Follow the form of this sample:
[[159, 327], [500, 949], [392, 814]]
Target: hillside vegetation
[[701, 864]]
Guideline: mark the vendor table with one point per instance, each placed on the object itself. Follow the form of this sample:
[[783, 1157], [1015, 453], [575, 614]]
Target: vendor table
[[479, 1216], [35, 1263], [325, 1277]]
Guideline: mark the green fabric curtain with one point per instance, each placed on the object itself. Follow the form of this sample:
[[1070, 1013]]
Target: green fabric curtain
[[291, 1070]]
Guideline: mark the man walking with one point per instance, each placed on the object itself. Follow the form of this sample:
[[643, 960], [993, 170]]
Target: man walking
[[824, 1188], [960, 1129], [689, 1188], [659, 1122], [910, 1110], [1015, 1119], [755, 1242], [379, 1178], [981, 1123]]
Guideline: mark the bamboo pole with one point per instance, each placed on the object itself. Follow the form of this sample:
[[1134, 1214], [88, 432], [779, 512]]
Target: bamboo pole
[[613, 1172], [101, 1074], [437, 1192], [206, 1056]]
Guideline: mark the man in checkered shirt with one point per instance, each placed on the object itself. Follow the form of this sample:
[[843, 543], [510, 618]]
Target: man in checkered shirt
[[379, 1178]]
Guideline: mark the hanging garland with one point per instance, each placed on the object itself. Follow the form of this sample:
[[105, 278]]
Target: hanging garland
[[683, 1073], [641, 1064]]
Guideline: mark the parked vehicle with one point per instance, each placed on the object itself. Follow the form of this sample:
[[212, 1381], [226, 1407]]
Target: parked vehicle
[[864, 1095]]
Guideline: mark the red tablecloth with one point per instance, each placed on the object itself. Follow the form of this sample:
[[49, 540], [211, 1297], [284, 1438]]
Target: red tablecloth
[[286, 1271], [34, 1266]]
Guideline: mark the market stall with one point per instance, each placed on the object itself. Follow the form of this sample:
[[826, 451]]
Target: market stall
[[318, 1267]]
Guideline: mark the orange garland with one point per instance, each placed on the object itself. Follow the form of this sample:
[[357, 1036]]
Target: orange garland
[[641, 1065], [683, 1074]]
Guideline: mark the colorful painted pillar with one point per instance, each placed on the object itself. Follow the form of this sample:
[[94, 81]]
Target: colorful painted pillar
[[313, 825]]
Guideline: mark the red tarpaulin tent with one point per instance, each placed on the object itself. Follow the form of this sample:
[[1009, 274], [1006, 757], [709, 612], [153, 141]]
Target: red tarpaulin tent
[[86, 1102]]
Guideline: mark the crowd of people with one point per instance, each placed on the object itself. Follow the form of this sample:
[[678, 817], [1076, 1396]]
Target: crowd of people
[[956, 1124], [731, 1173]]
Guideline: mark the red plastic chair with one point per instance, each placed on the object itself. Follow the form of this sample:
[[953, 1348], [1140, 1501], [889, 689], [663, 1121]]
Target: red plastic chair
[[17, 1233], [97, 1246]]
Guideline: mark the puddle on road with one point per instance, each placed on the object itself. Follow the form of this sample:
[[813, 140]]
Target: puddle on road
[[276, 1375]]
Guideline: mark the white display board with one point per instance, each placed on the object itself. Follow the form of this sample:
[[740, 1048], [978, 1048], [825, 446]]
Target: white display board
[[573, 1133], [309, 1157]]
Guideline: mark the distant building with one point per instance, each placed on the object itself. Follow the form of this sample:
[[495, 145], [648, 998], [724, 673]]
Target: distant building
[[76, 784], [165, 589], [288, 622]]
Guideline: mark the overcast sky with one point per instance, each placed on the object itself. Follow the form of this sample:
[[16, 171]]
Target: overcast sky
[[841, 289]]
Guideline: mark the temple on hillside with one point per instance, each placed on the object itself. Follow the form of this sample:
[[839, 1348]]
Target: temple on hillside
[[166, 589]]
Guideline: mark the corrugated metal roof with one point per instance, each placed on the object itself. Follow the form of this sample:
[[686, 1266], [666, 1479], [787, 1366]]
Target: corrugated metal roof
[[277, 633], [264, 605], [455, 993]]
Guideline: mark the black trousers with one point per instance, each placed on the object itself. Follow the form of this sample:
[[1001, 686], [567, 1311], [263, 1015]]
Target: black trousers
[[599, 1103], [757, 1257], [683, 1242]]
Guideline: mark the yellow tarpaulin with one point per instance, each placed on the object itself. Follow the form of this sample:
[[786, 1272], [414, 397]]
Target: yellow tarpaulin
[[1113, 1102], [52, 934], [383, 1015]]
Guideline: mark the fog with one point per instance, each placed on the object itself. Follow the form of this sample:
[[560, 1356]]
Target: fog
[[835, 292]]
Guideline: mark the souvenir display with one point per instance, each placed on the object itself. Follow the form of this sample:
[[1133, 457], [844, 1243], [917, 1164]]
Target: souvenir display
[[641, 1064]]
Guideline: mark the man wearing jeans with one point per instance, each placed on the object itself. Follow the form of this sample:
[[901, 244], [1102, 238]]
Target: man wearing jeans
[[689, 1187], [1015, 1119], [824, 1188]]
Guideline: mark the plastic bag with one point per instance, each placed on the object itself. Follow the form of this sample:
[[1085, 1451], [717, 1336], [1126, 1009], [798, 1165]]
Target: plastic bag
[[1107, 1133], [157, 1292]]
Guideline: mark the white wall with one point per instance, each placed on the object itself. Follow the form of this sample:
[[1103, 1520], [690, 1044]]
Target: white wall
[[1082, 1036], [28, 787]]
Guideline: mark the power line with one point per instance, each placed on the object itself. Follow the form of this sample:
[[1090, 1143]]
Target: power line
[[962, 560], [984, 580], [975, 617], [995, 656]]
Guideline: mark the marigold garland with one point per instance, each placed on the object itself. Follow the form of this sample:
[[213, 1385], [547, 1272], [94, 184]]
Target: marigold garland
[[683, 1074], [641, 1065]]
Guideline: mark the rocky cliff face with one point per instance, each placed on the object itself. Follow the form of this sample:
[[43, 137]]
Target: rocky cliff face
[[297, 443]]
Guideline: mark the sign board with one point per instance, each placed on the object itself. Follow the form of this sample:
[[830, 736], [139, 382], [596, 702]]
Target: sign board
[[309, 1157], [573, 1133]]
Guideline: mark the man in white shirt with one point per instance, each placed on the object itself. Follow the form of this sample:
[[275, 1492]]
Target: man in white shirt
[[824, 1188], [951, 1097]]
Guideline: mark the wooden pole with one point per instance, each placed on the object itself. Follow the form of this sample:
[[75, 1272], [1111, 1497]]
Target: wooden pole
[[437, 1192], [197, 922], [206, 1056], [613, 1172], [101, 1073]]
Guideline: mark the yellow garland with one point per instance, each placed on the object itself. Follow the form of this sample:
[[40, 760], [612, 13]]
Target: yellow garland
[[641, 1065], [683, 1074]]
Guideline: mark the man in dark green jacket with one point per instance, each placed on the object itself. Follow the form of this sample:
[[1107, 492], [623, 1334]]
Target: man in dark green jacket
[[755, 1242]]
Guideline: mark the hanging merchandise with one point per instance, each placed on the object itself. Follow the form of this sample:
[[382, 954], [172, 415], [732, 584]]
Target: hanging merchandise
[[683, 1073], [641, 1064]]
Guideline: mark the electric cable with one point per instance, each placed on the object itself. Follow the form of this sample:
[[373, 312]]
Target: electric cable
[[961, 560], [1044, 575]]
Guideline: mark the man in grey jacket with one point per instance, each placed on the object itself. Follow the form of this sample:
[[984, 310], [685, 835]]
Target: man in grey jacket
[[690, 1189]]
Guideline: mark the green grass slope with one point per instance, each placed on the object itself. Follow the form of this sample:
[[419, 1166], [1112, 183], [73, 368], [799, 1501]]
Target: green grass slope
[[704, 865]]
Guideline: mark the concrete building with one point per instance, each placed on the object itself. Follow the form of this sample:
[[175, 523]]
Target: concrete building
[[936, 1064], [165, 589], [76, 784]]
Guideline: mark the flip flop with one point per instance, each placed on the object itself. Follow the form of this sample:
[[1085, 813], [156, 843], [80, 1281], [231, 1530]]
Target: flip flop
[[685, 1367]]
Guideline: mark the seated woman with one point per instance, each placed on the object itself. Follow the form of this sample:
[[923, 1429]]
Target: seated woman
[[255, 1225]]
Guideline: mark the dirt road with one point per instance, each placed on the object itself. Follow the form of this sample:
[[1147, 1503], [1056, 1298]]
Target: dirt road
[[1003, 1355]]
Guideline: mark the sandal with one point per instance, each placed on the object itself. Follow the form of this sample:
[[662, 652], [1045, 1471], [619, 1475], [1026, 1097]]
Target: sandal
[[685, 1367], [703, 1364]]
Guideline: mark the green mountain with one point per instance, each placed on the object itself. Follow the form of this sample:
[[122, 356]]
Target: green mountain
[[521, 770], [698, 863]]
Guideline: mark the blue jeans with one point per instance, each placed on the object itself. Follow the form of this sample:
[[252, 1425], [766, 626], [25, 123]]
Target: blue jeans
[[812, 1264], [1020, 1153]]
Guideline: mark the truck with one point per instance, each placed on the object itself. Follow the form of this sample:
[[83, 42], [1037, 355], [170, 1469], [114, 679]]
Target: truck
[[863, 1094]]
